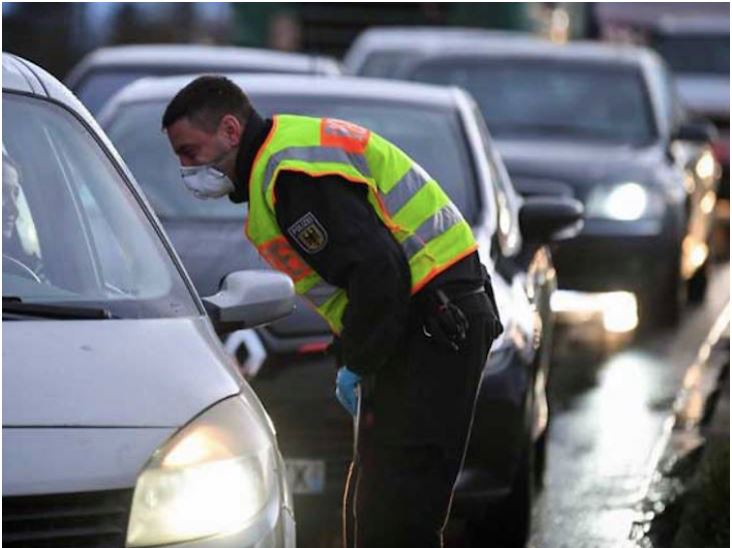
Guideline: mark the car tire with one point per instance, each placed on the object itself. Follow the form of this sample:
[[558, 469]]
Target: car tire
[[508, 524], [539, 456], [540, 453], [696, 287], [516, 511]]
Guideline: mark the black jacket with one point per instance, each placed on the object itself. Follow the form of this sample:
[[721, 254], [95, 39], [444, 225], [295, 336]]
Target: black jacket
[[357, 253]]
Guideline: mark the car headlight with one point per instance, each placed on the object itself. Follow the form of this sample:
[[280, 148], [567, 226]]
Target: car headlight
[[214, 477], [706, 167], [624, 202]]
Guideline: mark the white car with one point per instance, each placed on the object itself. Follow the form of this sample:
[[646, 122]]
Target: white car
[[124, 421]]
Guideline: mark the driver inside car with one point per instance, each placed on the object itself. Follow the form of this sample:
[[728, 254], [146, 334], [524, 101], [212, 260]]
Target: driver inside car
[[17, 256]]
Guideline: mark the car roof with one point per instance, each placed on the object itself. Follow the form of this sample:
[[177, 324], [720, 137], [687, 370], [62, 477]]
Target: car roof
[[429, 44], [164, 88], [530, 47], [419, 39], [192, 55], [18, 76], [23, 76], [425, 35]]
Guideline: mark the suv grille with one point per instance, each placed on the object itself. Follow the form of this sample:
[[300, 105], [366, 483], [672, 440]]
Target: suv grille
[[95, 519]]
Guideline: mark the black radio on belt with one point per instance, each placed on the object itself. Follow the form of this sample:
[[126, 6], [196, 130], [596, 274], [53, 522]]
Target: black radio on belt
[[445, 322]]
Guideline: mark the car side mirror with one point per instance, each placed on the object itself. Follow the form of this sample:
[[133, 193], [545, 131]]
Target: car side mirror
[[250, 298], [545, 219], [699, 131]]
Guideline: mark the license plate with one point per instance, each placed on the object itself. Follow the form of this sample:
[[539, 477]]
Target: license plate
[[305, 477]]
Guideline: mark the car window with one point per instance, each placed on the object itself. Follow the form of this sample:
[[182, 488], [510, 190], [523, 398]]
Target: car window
[[98, 86], [507, 200], [431, 136], [530, 98], [384, 63], [671, 106], [136, 132], [694, 53], [73, 232]]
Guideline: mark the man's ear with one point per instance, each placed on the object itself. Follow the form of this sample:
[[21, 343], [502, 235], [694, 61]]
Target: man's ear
[[232, 128]]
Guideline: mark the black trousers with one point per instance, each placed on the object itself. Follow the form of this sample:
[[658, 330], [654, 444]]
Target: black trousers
[[414, 426]]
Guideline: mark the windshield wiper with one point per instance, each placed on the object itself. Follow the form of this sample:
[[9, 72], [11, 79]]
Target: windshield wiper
[[15, 306]]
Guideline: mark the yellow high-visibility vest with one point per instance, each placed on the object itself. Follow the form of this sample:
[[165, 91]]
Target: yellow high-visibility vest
[[422, 218]]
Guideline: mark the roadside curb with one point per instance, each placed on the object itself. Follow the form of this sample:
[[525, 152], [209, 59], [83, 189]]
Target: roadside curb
[[677, 451]]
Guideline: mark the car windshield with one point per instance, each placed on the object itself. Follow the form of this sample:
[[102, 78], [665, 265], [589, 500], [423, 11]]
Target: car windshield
[[695, 54], [136, 132], [431, 136], [529, 98], [384, 64], [98, 86], [73, 232]]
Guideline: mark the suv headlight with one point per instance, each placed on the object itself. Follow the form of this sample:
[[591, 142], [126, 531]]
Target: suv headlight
[[624, 202], [216, 476]]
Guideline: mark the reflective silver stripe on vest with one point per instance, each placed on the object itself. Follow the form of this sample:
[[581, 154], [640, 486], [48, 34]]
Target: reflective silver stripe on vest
[[403, 191], [315, 154], [430, 229], [338, 130], [320, 293], [411, 246]]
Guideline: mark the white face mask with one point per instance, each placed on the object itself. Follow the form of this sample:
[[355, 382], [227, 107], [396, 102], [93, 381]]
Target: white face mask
[[206, 181]]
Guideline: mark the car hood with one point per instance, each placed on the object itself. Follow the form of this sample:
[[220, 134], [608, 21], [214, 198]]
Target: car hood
[[579, 164], [112, 373], [69, 460], [707, 95]]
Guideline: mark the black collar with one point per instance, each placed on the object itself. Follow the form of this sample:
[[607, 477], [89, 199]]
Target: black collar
[[255, 133]]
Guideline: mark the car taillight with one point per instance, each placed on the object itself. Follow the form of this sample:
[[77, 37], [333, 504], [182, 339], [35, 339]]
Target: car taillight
[[720, 149], [313, 348]]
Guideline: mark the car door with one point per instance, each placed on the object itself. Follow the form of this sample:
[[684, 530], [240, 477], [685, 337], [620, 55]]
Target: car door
[[530, 264], [533, 263]]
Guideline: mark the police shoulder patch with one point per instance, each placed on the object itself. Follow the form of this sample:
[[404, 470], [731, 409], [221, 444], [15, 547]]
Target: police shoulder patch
[[309, 233]]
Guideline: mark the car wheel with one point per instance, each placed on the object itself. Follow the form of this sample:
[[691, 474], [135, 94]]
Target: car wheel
[[509, 523], [515, 518], [540, 459], [540, 445], [696, 287]]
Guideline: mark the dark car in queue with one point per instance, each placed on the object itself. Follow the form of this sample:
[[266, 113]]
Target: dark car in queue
[[697, 50], [442, 129], [104, 71], [600, 123]]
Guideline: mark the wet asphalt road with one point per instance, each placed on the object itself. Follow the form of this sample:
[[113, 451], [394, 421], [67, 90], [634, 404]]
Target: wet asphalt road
[[607, 417]]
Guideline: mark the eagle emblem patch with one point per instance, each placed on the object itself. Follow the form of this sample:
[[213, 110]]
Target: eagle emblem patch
[[309, 233]]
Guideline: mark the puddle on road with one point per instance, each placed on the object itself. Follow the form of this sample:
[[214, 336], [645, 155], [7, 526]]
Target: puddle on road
[[607, 413]]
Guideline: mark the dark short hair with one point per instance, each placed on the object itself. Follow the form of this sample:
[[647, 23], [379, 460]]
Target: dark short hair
[[205, 101]]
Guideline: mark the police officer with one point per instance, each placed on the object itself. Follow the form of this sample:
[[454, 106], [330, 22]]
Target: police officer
[[382, 254]]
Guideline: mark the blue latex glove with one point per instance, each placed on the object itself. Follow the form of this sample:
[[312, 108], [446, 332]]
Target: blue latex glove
[[346, 383]]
